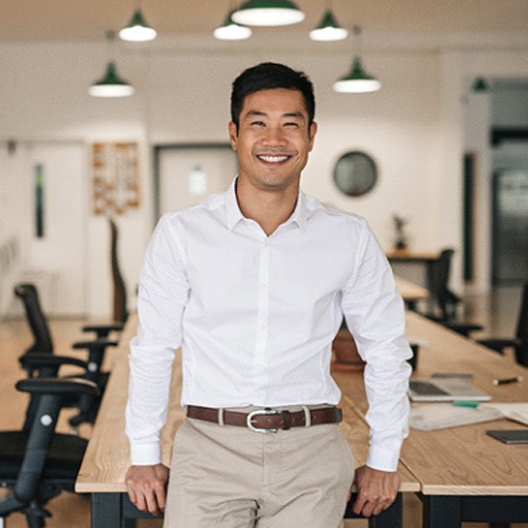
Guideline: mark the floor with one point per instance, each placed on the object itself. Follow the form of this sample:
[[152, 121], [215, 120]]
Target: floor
[[497, 313]]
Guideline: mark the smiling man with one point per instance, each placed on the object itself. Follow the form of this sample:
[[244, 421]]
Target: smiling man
[[253, 284]]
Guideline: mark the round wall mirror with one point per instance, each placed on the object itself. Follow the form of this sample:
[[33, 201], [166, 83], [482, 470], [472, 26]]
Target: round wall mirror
[[355, 173]]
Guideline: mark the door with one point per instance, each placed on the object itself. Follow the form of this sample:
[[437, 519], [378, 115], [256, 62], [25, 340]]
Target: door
[[59, 230], [510, 227], [186, 174]]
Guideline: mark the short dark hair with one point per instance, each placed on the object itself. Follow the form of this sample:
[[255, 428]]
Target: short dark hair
[[267, 76]]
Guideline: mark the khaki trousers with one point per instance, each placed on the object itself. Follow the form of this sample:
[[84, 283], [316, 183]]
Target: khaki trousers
[[231, 477]]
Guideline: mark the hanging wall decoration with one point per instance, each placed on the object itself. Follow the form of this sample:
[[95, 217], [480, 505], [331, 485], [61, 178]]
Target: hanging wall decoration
[[115, 177]]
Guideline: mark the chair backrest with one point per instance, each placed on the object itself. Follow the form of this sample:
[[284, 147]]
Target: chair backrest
[[440, 291], [521, 350], [120, 310], [37, 463], [36, 319]]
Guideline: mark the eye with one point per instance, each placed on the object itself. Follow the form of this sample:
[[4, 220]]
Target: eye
[[291, 124], [258, 123]]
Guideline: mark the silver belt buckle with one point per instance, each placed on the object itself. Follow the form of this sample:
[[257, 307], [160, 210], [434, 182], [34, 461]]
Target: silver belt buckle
[[256, 413]]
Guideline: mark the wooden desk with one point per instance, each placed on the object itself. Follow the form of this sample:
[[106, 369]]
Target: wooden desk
[[422, 258], [464, 474], [412, 256], [107, 458], [411, 293]]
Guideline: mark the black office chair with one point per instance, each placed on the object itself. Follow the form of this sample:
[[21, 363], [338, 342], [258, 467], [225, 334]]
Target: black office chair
[[519, 343], [39, 359], [120, 308], [37, 463], [446, 303]]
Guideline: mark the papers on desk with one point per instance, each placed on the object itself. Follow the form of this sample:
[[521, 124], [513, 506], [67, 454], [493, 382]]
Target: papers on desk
[[513, 411], [442, 415]]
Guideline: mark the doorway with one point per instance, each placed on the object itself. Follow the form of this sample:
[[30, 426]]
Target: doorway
[[184, 174], [510, 227]]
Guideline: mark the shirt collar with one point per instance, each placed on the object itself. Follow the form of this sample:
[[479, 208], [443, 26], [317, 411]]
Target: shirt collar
[[234, 215]]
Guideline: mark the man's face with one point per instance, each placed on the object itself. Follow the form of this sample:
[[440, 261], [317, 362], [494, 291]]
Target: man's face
[[273, 138]]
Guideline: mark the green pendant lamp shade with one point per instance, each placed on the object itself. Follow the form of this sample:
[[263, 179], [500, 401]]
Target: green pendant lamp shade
[[480, 85], [268, 13], [111, 85], [230, 30], [357, 81], [328, 29], [138, 30]]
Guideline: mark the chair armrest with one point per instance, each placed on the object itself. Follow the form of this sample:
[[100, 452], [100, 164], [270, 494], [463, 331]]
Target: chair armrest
[[36, 361], [97, 344], [499, 344], [96, 350], [103, 330], [60, 387]]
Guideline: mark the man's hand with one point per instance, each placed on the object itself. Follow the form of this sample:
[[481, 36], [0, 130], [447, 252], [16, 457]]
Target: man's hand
[[376, 490], [146, 486]]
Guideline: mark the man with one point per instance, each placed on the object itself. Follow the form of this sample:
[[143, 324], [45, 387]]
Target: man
[[253, 285]]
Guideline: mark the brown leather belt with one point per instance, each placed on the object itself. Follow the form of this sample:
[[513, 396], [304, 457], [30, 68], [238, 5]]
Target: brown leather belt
[[267, 420]]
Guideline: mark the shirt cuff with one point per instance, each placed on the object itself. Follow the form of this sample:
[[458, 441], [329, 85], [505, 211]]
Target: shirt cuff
[[145, 453], [383, 459]]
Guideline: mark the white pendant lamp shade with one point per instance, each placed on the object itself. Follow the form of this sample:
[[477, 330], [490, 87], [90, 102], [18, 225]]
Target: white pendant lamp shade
[[328, 29], [268, 13], [230, 30], [357, 81], [111, 85], [138, 30]]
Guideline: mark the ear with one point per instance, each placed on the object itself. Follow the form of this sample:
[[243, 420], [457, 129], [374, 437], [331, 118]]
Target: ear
[[233, 134], [311, 135]]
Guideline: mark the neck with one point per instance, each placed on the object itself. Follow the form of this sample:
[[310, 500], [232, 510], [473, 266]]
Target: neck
[[269, 209]]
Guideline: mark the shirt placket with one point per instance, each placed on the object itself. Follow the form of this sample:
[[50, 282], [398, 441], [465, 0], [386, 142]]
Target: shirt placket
[[261, 342]]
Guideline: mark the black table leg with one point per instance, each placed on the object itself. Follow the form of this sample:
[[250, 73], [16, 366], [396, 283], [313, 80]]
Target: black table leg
[[392, 517], [106, 510]]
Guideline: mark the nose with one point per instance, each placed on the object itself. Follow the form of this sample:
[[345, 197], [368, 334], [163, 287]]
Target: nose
[[274, 136]]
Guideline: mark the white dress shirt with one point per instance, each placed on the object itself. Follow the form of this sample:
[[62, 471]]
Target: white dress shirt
[[255, 317]]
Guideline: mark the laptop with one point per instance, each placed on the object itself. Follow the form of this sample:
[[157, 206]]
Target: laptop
[[444, 389]]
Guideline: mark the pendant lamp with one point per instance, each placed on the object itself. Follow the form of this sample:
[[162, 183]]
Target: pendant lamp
[[138, 30], [230, 30], [328, 29], [357, 80], [480, 85], [268, 13], [111, 84]]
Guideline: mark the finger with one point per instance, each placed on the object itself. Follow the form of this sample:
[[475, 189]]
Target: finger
[[359, 505], [378, 508], [160, 498], [140, 502], [132, 494], [152, 504]]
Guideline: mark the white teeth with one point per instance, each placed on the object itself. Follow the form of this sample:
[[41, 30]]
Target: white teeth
[[273, 159]]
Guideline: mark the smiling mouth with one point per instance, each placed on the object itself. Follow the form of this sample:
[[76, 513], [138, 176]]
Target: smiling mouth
[[272, 158]]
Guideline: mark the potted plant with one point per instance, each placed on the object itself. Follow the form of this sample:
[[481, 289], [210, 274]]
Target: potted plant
[[400, 241]]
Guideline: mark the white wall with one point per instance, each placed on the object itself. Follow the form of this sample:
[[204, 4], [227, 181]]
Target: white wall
[[413, 127]]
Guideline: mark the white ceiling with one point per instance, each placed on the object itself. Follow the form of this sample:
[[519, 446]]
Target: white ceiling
[[27, 20]]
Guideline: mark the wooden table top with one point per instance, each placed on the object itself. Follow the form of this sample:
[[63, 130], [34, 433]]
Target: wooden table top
[[460, 460], [411, 255], [456, 461], [410, 291]]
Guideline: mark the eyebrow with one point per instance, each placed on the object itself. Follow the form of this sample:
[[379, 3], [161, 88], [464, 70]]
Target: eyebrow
[[254, 113]]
